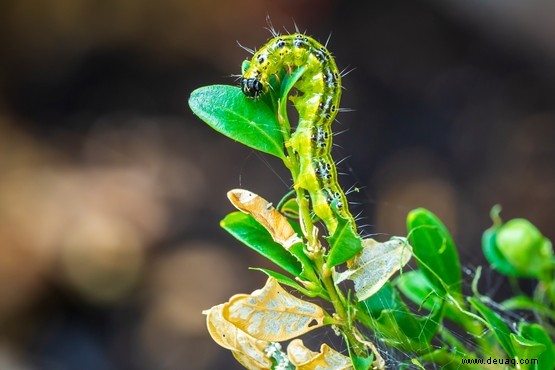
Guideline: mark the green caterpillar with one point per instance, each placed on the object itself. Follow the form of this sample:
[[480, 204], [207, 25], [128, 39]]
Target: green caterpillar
[[317, 103]]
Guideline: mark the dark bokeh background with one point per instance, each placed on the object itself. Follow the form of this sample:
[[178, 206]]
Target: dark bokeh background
[[111, 190]]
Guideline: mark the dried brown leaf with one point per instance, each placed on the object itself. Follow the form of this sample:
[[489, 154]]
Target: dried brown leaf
[[263, 212], [273, 314]]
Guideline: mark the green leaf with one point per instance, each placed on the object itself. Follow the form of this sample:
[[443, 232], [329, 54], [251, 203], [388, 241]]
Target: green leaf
[[415, 286], [407, 331], [397, 325], [435, 251], [308, 272], [247, 230], [524, 247], [496, 325], [385, 299], [290, 208], [344, 243], [527, 349], [450, 358], [286, 280], [289, 80], [298, 250], [526, 303], [251, 122], [360, 363], [534, 332], [295, 225], [493, 255]]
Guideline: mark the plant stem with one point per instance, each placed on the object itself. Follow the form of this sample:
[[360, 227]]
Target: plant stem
[[316, 255]]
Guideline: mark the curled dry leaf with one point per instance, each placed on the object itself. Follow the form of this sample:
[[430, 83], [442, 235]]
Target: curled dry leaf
[[373, 267], [263, 212], [249, 362], [250, 352], [379, 363], [326, 359], [272, 314]]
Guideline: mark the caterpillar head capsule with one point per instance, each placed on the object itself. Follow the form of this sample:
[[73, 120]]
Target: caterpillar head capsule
[[251, 87]]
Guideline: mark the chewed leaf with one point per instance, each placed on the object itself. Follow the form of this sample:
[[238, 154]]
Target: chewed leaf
[[222, 331], [376, 263], [298, 353], [326, 359], [248, 362], [263, 212], [246, 349], [272, 314]]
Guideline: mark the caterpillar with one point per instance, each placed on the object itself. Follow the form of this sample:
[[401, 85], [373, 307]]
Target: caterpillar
[[317, 102]]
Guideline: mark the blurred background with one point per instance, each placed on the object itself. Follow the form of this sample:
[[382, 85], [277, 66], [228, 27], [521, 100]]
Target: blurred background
[[111, 190]]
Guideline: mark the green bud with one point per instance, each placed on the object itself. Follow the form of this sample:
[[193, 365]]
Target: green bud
[[524, 247]]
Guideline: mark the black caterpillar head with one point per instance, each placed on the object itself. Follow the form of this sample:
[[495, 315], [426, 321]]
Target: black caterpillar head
[[251, 87]]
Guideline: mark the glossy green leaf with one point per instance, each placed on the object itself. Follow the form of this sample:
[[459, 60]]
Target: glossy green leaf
[[344, 243], [435, 251], [526, 349], [295, 225], [534, 332], [493, 255], [245, 229], [496, 325], [288, 81], [524, 247], [251, 122], [308, 272]]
